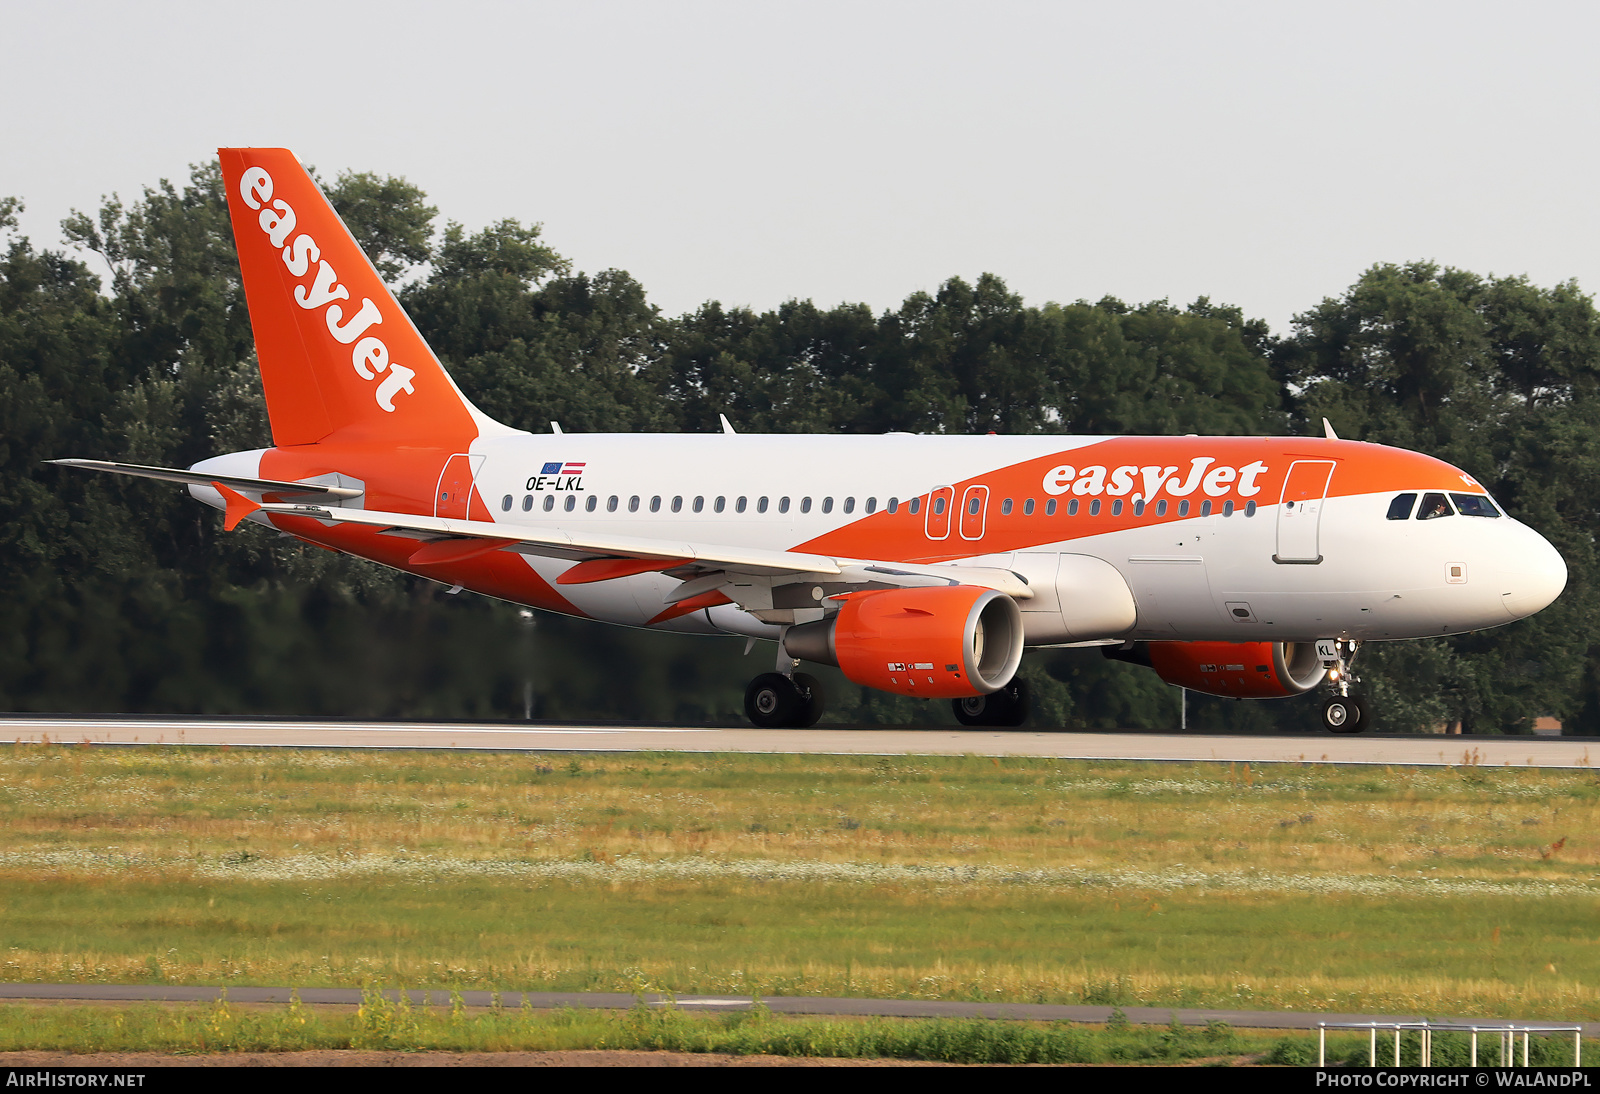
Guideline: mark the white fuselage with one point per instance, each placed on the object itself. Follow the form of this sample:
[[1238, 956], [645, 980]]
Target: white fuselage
[[1248, 569]]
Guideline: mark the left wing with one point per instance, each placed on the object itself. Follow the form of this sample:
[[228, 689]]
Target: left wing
[[755, 578]]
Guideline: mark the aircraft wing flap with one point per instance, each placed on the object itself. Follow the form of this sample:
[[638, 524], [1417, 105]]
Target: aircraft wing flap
[[570, 544]]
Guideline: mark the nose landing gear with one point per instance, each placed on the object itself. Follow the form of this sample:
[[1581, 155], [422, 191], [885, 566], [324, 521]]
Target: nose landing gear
[[1343, 712]]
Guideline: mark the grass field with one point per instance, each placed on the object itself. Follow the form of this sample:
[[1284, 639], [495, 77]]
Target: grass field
[[384, 1024], [1464, 891]]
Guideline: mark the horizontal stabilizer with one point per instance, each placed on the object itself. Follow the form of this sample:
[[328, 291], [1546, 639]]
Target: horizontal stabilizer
[[196, 478], [239, 506]]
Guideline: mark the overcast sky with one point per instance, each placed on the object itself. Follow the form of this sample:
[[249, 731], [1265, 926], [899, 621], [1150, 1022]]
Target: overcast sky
[[1261, 154]]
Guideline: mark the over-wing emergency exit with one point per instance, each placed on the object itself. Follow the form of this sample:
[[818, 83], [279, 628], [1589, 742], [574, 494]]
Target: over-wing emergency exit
[[922, 565]]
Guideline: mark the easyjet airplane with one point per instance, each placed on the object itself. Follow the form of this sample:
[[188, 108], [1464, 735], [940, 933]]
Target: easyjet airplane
[[922, 565]]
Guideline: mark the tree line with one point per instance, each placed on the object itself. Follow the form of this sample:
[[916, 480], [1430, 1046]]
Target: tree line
[[126, 596]]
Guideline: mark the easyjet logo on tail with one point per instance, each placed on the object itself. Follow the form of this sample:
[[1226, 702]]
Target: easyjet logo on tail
[[369, 355], [1199, 475]]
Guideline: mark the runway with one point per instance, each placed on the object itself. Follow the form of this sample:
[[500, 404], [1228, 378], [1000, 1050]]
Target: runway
[[1427, 750], [778, 1004]]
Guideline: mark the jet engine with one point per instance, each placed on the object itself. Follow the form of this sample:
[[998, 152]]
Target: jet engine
[[934, 642], [1233, 670]]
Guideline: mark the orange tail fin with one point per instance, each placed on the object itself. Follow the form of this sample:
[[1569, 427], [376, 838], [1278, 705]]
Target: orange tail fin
[[337, 354]]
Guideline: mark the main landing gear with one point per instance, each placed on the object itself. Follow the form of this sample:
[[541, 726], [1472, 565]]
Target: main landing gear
[[784, 699], [778, 701], [1006, 707], [1343, 712]]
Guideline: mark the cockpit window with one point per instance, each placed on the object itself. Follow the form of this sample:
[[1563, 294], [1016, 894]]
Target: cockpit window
[[1474, 505], [1434, 505], [1400, 507]]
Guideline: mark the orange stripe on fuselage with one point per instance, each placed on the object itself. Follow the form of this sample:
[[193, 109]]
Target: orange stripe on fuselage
[[1360, 469], [402, 480]]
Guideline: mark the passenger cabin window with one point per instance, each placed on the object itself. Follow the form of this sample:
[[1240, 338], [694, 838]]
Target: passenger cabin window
[[1249, 508], [872, 506], [505, 504], [894, 505], [611, 504], [761, 505], [677, 504], [720, 504], [655, 504], [633, 504], [938, 506], [1116, 507], [916, 505], [572, 502], [527, 503], [592, 503], [1094, 508], [1205, 508], [783, 505], [1474, 505], [699, 505], [738, 506], [1400, 507], [805, 505], [549, 502], [827, 505], [1434, 506], [1027, 508]]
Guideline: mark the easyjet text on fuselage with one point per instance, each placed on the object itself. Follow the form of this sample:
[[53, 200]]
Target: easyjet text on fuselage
[[1145, 482]]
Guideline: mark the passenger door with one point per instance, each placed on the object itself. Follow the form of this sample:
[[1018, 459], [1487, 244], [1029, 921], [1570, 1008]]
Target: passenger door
[[1300, 511]]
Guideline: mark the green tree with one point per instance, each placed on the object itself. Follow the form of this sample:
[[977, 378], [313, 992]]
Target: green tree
[[1500, 378], [389, 218]]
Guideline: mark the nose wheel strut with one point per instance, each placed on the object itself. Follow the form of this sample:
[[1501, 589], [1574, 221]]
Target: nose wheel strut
[[1343, 711]]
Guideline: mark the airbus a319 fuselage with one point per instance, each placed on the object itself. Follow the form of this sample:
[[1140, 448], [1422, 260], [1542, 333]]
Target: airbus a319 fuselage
[[923, 565]]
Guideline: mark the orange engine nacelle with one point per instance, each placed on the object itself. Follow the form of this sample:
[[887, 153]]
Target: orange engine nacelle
[[1239, 670], [935, 642]]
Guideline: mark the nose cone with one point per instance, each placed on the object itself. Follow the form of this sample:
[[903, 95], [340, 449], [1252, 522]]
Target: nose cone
[[1531, 581]]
